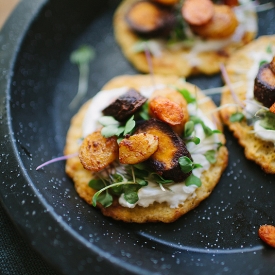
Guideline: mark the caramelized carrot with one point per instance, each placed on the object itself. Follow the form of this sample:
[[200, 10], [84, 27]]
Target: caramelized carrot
[[166, 2], [149, 18], [222, 24], [166, 110], [272, 108], [231, 3], [197, 12]]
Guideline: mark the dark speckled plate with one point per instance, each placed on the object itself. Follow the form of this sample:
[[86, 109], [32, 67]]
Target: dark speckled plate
[[37, 84]]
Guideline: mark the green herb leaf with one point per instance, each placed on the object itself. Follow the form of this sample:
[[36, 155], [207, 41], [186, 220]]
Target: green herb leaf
[[196, 140], [141, 173], [188, 128], [219, 145], [109, 131], [262, 62], [187, 95], [211, 156], [131, 197], [141, 182], [96, 184], [144, 111], [206, 129], [193, 180], [117, 189], [236, 117], [186, 164], [130, 192], [140, 166], [269, 49], [129, 126], [105, 199], [119, 139], [117, 178], [196, 165], [82, 55], [268, 121], [107, 120], [159, 179]]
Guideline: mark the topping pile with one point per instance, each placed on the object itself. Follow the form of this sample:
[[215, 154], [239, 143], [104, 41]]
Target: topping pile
[[166, 18], [260, 110], [147, 143]]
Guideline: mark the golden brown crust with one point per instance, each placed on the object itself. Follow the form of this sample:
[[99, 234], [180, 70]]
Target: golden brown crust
[[262, 152], [172, 61], [156, 212]]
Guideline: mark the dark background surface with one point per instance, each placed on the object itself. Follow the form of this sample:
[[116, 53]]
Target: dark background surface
[[222, 231]]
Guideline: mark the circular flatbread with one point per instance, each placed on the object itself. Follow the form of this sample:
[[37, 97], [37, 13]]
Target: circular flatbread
[[157, 211], [204, 56], [242, 68]]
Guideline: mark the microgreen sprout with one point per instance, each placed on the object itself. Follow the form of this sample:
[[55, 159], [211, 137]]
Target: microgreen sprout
[[236, 117], [269, 49], [267, 119], [143, 113], [161, 181], [113, 127], [262, 62], [206, 129], [189, 128], [117, 184], [187, 165], [211, 156], [82, 57], [193, 180], [187, 95]]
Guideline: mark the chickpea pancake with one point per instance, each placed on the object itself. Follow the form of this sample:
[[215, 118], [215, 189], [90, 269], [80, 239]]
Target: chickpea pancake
[[154, 211], [187, 49], [253, 129]]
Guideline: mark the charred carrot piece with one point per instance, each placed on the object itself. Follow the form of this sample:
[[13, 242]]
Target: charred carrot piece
[[264, 87], [197, 12]]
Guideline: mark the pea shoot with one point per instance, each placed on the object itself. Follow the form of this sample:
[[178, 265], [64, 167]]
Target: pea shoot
[[82, 58]]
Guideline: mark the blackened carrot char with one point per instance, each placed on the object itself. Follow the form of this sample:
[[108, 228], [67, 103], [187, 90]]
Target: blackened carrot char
[[150, 19], [264, 86]]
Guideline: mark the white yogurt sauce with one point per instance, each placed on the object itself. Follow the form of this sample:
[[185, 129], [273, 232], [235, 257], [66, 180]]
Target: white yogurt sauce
[[152, 192], [262, 133]]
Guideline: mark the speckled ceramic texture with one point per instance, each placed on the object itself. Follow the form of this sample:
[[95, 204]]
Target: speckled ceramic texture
[[37, 84]]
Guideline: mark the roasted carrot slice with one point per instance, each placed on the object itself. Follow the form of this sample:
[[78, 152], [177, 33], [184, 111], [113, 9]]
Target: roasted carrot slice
[[166, 2], [267, 234], [137, 148], [197, 12], [176, 97], [231, 3], [150, 19], [272, 108], [97, 152], [223, 24], [166, 110]]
